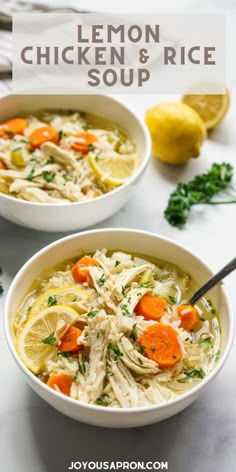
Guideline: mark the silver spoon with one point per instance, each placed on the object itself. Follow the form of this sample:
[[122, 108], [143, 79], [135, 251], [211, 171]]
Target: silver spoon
[[213, 281]]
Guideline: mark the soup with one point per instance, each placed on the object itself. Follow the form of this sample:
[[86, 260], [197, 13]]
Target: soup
[[63, 157], [115, 329]]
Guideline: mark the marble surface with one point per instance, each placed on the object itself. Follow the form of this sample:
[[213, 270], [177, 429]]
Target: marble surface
[[36, 438]]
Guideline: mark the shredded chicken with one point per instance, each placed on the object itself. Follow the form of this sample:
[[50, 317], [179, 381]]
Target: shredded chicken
[[60, 156], [134, 360], [97, 365], [125, 278], [34, 194]]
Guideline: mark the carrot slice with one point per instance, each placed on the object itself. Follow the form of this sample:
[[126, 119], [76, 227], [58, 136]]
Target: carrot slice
[[2, 166], [69, 340], [189, 316], [80, 270], [161, 345], [83, 142], [151, 307], [61, 381], [11, 127], [42, 135]]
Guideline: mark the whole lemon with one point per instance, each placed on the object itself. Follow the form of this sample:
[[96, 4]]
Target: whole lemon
[[177, 132]]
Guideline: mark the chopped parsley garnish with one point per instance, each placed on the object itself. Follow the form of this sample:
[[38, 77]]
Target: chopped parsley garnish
[[140, 361], [52, 300], [117, 263], [75, 378], [31, 174], [96, 158], [7, 131], [197, 372], [181, 381], [217, 355], [51, 339], [65, 176], [133, 335], [147, 284], [142, 350], [91, 147], [61, 135], [206, 343], [92, 314], [82, 368], [110, 373], [50, 160], [98, 334], [174, 357], [200, 190], [64, 353], [74, 300], [123, 291], [86, 127], [153, 348], [125, 311], [48, 176], [101, 280], [172, 299], [102, 400], [29, 309], [23, 141], [17, 149], [115, 349]]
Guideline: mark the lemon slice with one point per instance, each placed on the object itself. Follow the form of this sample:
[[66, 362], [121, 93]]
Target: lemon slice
[[113, 170], [211, 108], [69, 295], [49, 322]]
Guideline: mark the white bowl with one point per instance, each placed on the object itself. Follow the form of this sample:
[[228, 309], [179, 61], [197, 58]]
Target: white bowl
[[78, 215], [131, 241]]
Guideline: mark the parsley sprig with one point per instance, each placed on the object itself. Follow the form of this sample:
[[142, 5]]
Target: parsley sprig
[[198, 191]]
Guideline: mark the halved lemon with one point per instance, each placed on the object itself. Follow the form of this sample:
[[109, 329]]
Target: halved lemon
[[211, 108], [44, 326], [113, 170], [69, 295]]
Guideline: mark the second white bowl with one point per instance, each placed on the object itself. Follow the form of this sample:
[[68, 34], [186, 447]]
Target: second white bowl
[[78, 215]]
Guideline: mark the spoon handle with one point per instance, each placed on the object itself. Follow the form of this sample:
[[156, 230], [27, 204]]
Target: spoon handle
[[213, 281]]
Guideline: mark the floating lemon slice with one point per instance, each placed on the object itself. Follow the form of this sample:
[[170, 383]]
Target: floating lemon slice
[[69, 295], [113, 170], [35, 343], [211, 108]]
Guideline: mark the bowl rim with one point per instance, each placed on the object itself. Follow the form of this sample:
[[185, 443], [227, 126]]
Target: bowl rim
[[114, 410], [105, 196]]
